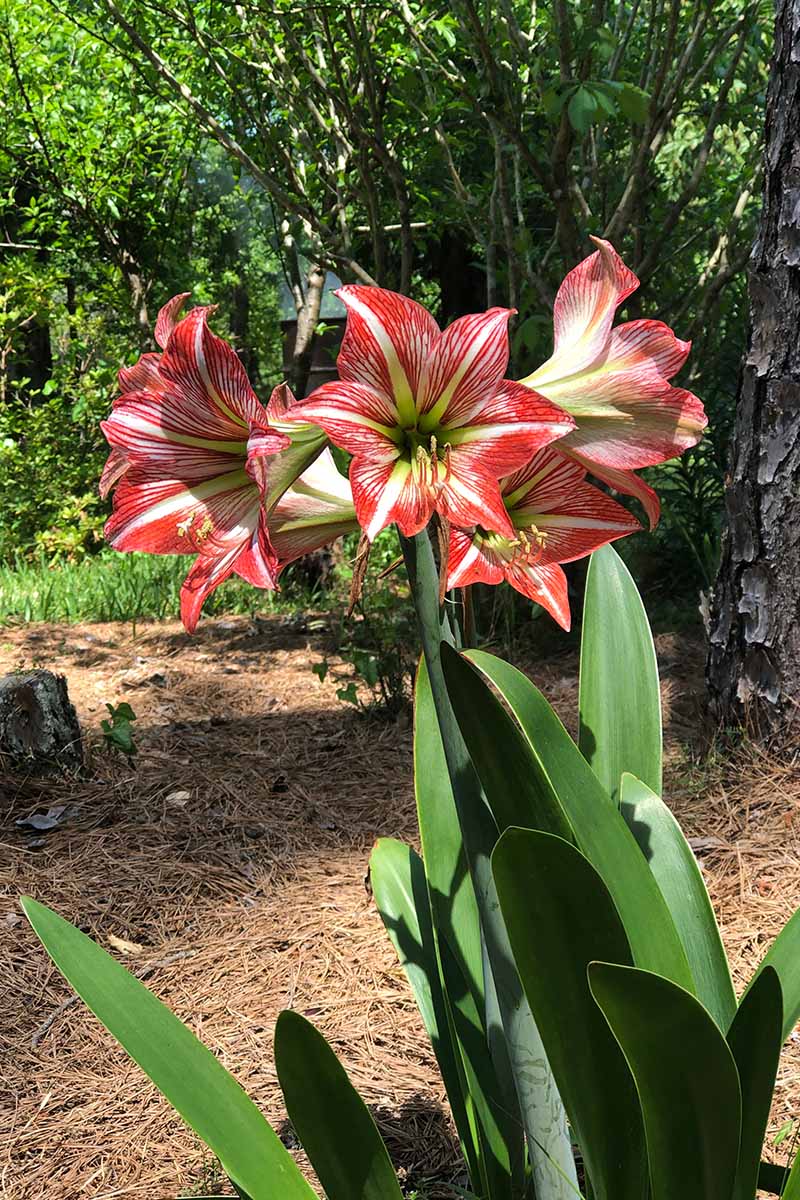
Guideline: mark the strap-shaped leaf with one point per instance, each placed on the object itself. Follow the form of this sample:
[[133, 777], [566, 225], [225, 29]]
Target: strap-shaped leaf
[[686, 1078], [600, 830], [452, 896], [677, 874], [401, 895], [333, 1123], [560, 917], [620, 700], [455, 916], [208, 1098], [755, 1041], [548, 1143], [784, 956]]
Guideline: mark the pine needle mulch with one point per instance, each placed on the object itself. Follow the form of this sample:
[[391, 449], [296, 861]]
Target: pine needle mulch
[[227, 869]]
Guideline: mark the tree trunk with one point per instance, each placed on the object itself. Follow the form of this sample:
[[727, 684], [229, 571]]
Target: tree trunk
[[39, 731], [753, 666], [307, 321]]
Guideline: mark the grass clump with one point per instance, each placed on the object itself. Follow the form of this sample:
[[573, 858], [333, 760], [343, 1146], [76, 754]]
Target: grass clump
[[121, 587]]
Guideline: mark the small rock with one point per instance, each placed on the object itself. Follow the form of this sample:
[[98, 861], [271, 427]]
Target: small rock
[[178, 799]]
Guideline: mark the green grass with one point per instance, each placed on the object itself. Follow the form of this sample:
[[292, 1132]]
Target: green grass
[[122, 587]]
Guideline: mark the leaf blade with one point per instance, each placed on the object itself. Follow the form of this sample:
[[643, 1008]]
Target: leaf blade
[[207, 1097], [686, 1078], [755, 1041], [560, 917], [599, 828], [334, 1125], [620, 711], [680, 879]]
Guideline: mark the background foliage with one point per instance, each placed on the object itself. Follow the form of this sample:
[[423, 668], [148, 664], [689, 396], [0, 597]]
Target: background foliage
[[461, 152]]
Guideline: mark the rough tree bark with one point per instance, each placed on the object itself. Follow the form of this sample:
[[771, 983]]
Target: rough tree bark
[[753, 666], [39, 731], [308, 300]]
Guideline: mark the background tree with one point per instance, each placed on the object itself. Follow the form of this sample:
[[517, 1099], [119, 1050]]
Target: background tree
[[754, 659], [461, 153]]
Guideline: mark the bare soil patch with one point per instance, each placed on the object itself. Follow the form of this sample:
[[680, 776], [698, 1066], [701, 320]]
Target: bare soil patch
[[232, 858]]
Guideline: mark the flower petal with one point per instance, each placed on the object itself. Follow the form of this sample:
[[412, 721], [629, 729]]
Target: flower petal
[[146, 429], [477, 559], [465, 366], [546, 584], [258, 560], [167, 516], [316, 510], [647, 344], [583, 314], [470, 560], [208, 392], [143, 376], [116, 466], [355, 417], [621, 481], [622, 428], [207, 572], [472, 497], [509, 428], [387, 342], [168, 317], [551, 497], [388, 492], [588, 520]]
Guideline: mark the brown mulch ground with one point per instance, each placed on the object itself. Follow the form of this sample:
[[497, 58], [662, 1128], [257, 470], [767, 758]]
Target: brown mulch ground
[[232, 859]]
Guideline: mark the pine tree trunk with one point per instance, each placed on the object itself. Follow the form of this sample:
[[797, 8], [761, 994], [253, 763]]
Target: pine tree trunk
[[753, 667]]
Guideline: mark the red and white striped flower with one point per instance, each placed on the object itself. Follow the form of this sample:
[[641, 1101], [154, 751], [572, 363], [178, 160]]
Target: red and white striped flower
[[556, 517], [615, 381], [191, 453], [427, 415]]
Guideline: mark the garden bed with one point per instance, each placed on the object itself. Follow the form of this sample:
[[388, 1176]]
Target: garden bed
[[227, 868]]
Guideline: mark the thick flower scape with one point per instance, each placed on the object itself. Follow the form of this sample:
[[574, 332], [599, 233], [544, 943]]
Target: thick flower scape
[[432, 426]]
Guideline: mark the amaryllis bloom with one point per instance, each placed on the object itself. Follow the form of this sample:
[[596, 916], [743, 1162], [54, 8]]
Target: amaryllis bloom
[[615, 381], [191, 453], [141, 377], [427, 415], [557, 517]]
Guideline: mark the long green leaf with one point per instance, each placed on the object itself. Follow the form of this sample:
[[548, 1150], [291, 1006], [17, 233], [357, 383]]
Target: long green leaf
[[686, 1078], [498, 1130], [490, 1098], [554, 763], [791, 1187], [755, 1041], [620, 700], [452, 895], [677, 874], [784, 956], [533, 1096], [207, 1097], [333, 1123], [401, 895], [516, 792], [560, 917]]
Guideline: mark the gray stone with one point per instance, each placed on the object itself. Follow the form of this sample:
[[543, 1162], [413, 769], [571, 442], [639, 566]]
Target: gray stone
[[39, 730]]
